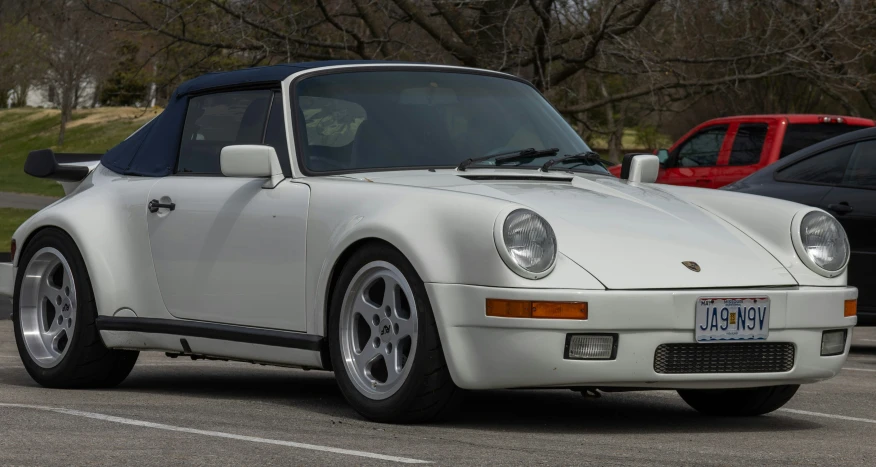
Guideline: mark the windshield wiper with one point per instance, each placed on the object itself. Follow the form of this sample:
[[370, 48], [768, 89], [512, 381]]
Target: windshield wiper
[[588, 157], [529, 153]]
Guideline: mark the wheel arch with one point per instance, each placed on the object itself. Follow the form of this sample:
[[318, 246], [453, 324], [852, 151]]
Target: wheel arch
[[332, 282]]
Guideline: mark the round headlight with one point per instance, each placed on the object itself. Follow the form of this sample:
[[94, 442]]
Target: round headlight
[[529, 244], [824, 241]]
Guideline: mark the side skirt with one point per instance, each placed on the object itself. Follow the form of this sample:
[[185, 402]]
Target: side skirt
[[222, 332]]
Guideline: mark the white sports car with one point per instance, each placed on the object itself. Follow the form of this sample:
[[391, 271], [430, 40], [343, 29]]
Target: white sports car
[[418, 230]]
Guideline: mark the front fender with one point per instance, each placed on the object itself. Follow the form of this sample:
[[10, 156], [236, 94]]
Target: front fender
[[447, 237]]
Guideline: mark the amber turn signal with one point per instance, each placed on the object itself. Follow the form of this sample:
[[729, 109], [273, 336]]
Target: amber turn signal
[[851, 308], [529, 309]]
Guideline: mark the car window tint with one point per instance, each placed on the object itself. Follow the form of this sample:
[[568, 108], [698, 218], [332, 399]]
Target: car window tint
[[748, 144], [862, 167], [214, 121], [330, 122], [827, 167], [799, 136], [275, 133], [702, 149]]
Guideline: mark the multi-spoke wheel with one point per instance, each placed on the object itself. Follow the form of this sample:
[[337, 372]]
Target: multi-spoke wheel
[[54, 313], [378, 329], [383, 340], [47, 307]]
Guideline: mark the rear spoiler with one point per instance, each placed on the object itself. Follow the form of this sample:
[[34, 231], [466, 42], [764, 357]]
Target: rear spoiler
[[44, 163]]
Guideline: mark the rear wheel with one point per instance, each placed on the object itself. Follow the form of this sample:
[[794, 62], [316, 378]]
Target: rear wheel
[[384, 343], [54, 318], [745, 402]]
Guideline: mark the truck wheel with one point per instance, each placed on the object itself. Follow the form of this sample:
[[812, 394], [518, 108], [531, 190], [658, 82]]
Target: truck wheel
[[384, 343], [53, 316], [745, 402]]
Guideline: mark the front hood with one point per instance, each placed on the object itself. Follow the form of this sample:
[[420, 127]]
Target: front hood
[[628, 236]]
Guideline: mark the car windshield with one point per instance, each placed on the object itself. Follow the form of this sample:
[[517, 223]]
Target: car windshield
[[357, 121]]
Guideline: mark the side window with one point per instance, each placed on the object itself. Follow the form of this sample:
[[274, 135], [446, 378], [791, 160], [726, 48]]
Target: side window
[[330, 122], [275, 132], [748, 144], [862, 168], [702, 149], [214, 121], [825, 168]]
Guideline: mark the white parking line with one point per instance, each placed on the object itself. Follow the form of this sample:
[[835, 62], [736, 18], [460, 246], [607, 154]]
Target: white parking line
[[828, 415], [859, 369], [216, 434]]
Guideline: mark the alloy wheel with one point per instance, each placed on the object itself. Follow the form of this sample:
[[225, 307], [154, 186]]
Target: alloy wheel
[[378, 330]]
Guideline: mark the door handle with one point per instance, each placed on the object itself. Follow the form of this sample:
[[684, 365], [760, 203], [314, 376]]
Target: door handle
[[154, 206], [841, 208]]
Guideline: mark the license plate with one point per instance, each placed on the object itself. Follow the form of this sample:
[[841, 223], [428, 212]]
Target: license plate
[[732, 319]]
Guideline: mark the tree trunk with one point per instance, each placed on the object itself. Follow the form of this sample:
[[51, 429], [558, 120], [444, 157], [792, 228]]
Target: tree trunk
[[615, 148], [67, 102]]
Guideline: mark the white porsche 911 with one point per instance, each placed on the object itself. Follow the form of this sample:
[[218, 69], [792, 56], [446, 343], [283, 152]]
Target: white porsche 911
[[418, 230]]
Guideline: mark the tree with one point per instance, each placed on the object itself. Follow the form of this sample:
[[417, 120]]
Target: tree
[[20, 66], [606, 64], [126, 85], [72, 53]]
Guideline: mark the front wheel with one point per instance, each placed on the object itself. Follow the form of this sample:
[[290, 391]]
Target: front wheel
[[747, 402], [383, 340]]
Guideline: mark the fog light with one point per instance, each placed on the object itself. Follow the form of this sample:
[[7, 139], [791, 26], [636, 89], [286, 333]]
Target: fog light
[[591, 346], [833, 342]]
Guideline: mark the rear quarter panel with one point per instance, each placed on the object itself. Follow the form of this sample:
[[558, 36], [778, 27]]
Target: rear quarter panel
[[106, 218]]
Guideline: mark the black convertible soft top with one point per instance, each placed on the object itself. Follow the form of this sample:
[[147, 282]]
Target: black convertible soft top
[[151, 151]]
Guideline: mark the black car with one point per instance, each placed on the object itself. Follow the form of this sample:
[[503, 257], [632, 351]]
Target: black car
[[839, 176]]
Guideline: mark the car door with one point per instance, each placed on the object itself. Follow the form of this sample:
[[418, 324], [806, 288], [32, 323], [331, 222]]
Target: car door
[[854, 205], [229, 250], [695, 161], [747, 152]]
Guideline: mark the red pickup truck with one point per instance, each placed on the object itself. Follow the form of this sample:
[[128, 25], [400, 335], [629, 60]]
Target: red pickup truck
[[724, 150]]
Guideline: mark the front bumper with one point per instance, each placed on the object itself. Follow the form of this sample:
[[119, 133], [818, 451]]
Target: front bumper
[[487, 352], [7, 279]]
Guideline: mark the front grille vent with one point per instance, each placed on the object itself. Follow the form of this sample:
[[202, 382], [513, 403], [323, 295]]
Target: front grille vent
[[755, 357]]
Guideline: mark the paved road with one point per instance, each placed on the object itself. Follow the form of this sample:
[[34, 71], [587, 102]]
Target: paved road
[[22, 201], [207, 413]]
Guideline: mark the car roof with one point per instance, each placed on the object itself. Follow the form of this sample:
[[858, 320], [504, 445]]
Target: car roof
[[845, 138], [792, 119], [263, 74]]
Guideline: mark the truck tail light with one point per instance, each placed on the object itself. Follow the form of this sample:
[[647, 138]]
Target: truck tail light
[[827, 119]]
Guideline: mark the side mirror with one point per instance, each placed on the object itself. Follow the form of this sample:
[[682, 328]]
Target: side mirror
[[663, 156], [641, 168], [251, 161]]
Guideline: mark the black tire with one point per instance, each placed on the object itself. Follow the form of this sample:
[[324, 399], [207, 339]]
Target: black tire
[[429, 392], [747, 402], [87, 363]]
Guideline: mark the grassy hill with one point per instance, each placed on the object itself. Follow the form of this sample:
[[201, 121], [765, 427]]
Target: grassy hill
[[91, 131], [10, 219]]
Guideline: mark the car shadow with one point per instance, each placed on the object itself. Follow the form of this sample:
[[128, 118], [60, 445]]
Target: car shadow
[[863, 350], [525, 411]]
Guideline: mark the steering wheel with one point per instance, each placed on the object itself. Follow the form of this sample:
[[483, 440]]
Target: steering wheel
[[325, 161]]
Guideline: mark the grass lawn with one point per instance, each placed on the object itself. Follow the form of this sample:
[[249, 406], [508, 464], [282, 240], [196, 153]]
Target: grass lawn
[[10, 219], [91, 131]]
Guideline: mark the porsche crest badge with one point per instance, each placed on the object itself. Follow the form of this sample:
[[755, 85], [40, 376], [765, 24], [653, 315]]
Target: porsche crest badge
[[691, 265]]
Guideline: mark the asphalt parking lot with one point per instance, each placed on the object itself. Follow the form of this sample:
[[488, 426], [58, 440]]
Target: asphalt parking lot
[[177, 411]]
